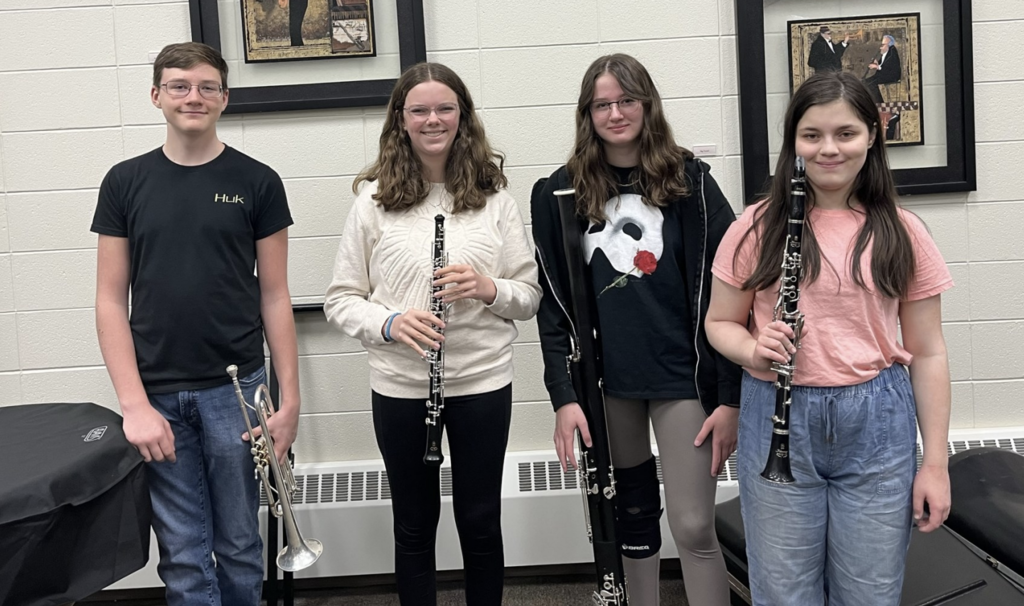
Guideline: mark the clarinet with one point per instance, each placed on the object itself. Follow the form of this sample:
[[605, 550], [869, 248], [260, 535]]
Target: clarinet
[[597, 475], [778, 467], [435, 400]]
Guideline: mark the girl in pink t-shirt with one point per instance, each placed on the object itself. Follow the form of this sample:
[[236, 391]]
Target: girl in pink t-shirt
[[869, 267]]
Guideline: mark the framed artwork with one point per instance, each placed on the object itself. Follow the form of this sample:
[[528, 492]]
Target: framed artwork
[[884, 51], [292, 30], [933, 151], [348, 31]]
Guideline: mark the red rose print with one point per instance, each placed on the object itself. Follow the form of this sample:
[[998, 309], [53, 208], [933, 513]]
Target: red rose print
[[645, 261]]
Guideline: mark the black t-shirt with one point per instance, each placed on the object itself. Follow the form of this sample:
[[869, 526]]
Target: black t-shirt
[[192, 233], [636, 263]]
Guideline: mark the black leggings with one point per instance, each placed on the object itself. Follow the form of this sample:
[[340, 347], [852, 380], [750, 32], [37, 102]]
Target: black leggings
[[477, 435]]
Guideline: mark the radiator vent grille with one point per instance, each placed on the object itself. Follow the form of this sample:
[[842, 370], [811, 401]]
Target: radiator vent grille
[[346, 487], [536, 476], [547, 475]]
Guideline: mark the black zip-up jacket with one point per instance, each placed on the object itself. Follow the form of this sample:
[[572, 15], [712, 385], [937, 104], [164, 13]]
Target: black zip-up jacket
[[705, 217]]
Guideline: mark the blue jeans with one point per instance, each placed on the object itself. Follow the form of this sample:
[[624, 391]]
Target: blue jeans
[[205, 505], [843, 528]]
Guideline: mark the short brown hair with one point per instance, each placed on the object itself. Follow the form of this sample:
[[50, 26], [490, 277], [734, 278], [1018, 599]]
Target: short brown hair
[[186, 55]]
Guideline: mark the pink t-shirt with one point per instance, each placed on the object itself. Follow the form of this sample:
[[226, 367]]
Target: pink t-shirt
[[851, 333]]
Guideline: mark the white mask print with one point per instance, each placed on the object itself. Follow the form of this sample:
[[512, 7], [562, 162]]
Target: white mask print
[[632, 227]]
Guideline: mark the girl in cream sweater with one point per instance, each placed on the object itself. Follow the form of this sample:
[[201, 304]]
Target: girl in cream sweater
[[434, 159]]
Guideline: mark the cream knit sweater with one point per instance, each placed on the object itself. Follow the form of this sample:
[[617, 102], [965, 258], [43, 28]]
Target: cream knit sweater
[[384, 266]]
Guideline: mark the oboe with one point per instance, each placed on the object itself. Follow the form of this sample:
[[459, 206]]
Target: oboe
[[778, 467], [435, 399], [597, 475]]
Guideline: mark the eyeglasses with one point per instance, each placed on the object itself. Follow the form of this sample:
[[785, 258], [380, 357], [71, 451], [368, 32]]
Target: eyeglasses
[[422, 112], [626, 105], [179, 89]]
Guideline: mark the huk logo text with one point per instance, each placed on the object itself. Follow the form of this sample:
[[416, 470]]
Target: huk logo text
[[224, 199]]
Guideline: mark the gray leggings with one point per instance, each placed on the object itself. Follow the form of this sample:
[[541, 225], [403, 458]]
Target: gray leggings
[[689, 494]]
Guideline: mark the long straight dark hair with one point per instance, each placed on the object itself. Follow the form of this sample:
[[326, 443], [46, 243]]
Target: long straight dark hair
[[892, 253], [660, 177]]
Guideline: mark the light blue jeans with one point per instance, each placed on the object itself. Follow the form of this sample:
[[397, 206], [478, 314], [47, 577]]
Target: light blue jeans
[[843, 528], [205, 505]]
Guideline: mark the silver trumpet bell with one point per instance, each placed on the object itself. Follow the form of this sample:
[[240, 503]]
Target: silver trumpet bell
[[299, 553]]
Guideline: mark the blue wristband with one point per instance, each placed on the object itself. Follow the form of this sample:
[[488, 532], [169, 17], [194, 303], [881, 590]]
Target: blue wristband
[[387, 327]]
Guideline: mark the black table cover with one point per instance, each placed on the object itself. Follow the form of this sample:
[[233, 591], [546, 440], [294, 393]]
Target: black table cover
[[988, 502], [74, 504]]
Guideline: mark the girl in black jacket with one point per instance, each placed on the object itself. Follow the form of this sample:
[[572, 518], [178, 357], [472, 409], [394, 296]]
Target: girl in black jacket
[[651, 218]]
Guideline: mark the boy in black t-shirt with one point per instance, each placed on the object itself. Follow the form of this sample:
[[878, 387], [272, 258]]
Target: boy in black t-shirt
[[183, 227]]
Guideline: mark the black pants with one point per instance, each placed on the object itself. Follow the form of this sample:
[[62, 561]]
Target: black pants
[[872, 84], [477, 428], [296, 14]]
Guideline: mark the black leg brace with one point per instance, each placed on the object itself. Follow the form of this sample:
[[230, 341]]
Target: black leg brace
[[638, 510]]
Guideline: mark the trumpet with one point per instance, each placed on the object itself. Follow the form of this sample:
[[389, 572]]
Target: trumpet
[[299, 553]]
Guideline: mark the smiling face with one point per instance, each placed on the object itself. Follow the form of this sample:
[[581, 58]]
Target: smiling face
[[618, 127], [835, 142], [192, 114], [430, 116]]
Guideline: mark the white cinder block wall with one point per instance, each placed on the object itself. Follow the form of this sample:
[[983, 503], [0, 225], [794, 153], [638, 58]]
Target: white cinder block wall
[[74, 88]]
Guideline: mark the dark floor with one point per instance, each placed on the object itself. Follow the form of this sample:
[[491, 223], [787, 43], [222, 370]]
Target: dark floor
[[533, 590]]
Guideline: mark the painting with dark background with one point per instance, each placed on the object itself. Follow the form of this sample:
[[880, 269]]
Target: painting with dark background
[[884, 51], [283, 30]]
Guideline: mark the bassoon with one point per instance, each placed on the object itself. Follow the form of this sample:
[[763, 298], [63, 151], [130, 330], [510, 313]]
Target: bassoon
[[597, 475]]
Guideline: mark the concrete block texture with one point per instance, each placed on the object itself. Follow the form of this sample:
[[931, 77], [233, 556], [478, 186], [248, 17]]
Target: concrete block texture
[[51, 220], [142, 29], [997, 403], [27, 38], [6, 284], [997, 349], [52, 160], [54, 280], [307, 147], [8, 342], [996, 290], [77, 98], [58, 339], [557, 22], [644, 19], [451, 25], [10, 389], [5, 241], [991, 62]]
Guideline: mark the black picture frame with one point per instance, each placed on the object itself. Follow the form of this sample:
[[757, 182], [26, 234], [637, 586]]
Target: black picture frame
[[957, 175], [412, 49]]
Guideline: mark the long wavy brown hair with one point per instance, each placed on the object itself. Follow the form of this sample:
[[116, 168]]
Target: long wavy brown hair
[[892, 253], [473, 169], [659, 178]]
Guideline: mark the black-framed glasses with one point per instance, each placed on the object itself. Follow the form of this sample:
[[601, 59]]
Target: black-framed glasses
[[626, 105], [181, 88]]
